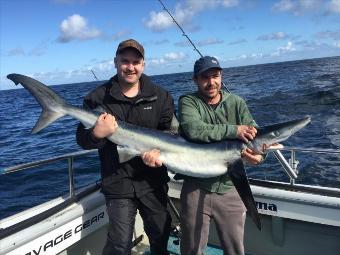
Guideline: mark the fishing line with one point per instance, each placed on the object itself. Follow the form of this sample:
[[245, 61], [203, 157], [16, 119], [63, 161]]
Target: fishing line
[[184, 34]]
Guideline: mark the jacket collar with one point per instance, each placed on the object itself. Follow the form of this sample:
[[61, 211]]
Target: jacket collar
[[225, 95], [147, 89]]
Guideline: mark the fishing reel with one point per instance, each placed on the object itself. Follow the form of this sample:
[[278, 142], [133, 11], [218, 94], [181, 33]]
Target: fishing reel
[[176, 228], [176, 232]]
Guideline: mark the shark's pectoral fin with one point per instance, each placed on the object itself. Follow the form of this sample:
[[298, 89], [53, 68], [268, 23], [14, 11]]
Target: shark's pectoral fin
[[238, 176], [125, 153]]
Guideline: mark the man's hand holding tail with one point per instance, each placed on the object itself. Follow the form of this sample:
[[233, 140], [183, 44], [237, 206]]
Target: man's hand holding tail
[[105, 126]]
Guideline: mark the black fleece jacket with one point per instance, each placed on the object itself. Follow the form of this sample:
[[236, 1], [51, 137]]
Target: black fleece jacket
[[152, 108]]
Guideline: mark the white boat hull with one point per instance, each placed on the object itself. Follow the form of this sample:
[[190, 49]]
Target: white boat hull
[[292, 223]]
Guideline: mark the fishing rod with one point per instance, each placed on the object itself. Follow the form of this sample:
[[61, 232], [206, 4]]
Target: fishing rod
[[184, 34], [94, 75], [176, 230]]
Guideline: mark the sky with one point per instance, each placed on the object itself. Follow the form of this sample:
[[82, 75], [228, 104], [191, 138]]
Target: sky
[[61, 41]]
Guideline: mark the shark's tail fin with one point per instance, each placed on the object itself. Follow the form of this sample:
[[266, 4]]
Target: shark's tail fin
[[52, 104]]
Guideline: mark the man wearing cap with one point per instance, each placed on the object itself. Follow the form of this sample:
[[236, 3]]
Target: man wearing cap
[[210, 115], [140, 182]]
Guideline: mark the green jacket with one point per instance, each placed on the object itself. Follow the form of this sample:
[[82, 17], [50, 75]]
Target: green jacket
[[200, 122]]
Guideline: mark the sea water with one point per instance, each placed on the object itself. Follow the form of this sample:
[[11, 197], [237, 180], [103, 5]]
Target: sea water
[[274, 93]]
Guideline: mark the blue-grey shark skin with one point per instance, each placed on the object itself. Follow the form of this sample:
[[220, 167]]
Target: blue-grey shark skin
[[276, 133], [179, 155]]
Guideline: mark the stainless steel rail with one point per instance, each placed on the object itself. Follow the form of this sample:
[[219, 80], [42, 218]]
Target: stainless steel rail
[[315, 150], [290, 166], [290, 171], [69, 157]]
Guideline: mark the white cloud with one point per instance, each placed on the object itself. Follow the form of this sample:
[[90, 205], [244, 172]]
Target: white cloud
[[247, 56], [75, 27], [103, 66], [107, 66], [168, 59], [37, 51], [121, 34], [184, 13], [230, 3], [155, 61], [205, 42], [210, 41], [288, 47], [15, 52], [308, 4], [239, 41], [334, 6], [197, 6], [273, 36], [284, 6], [202, 5], [159, 21], [174, 56], [335, 35], [284, 49], [298, 7]]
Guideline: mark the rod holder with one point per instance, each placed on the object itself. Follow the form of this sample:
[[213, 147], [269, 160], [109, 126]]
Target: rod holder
[[288, 169]]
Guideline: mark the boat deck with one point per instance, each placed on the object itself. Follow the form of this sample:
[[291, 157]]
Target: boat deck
[[143, 249]]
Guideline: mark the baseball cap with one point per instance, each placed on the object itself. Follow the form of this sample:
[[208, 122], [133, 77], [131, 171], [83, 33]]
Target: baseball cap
[[130, 43], [205, 63]]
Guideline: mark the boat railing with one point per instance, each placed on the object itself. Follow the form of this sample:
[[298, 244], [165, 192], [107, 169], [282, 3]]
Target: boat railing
[[69, 157], [290, 166]]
